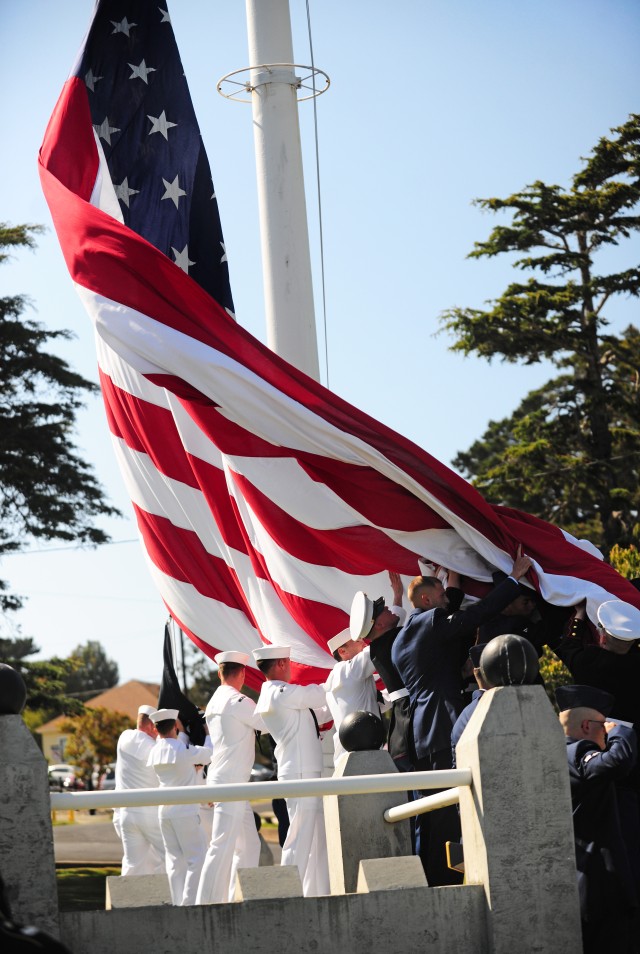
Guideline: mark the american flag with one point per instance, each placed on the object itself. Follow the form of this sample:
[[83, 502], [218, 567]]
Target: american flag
[[263, 500]]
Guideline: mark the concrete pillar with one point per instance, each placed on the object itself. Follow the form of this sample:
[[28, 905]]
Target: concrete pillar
[[26, 837], [355, 825], [516, 822]]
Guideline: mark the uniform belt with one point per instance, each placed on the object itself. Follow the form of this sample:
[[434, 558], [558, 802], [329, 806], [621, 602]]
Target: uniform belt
[[398, 694]]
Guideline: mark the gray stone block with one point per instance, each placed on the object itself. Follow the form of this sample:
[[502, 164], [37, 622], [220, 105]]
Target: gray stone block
[[389, 874], [137, 891], [253, 884], [355, 824], [26, 837]]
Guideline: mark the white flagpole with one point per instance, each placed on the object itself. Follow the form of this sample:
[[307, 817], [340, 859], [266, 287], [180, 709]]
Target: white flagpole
[[286, 261]]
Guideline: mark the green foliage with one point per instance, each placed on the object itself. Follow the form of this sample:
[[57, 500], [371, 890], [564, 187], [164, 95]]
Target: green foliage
[[571, 450], [47, 491], [626, 560], [93, 738], [45, 681], [93, 671], [554, 673]]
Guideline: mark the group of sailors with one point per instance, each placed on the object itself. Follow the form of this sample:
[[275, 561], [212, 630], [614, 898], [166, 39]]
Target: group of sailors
[[425, 659]]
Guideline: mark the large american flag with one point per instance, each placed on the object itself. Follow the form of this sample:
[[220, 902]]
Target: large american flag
[[263, 500]]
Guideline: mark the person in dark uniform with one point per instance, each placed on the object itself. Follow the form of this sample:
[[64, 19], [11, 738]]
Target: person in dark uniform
[[614, 666], [527, 615], [599, 753], [429, 652]]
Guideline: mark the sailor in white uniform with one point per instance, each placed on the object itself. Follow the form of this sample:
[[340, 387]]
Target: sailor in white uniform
[[138, 828], [184, 842], [288, 714], [350, 686], [232, 726]]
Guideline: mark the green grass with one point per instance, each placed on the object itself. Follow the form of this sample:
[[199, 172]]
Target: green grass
[[82, 889]]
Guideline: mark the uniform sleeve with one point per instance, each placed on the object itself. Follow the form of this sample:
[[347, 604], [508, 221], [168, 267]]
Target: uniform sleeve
[[465, 622], [361, 666], [199, 754], [401, 613], [616, 761], [305, 697], [244, 710]]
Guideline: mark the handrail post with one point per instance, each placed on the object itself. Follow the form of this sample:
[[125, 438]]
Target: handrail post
[[516, 822], [356, 829]]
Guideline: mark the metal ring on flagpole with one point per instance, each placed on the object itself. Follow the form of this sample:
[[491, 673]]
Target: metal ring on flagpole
[[270, 73]]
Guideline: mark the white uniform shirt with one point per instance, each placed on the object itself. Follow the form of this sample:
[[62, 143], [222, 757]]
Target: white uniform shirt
[[350, 687], [285, 711], [232, 723], [175, 765], [132, 770]]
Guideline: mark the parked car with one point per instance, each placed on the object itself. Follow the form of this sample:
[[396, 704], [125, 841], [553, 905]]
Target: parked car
[[105, 781], [63, 777]]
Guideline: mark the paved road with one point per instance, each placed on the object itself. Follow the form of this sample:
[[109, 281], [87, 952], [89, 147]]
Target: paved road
[[92, 839]]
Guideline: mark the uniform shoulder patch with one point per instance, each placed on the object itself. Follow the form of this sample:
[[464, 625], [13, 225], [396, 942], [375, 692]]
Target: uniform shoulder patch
[[589, 756]]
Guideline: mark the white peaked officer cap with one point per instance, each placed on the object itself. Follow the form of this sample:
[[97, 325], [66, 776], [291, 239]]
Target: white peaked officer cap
[[146, 710], [621, 620], [363, 614], [162, 714], [339, 640], [231, 656], [271, 652]]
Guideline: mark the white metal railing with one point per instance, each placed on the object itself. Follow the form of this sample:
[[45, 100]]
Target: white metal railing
[[298, 788]]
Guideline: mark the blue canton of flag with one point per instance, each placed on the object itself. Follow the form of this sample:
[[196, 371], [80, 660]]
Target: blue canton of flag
[[144, 119]]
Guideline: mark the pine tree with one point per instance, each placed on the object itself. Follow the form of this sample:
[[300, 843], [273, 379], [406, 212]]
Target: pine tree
[[47, 491], [571, 451]]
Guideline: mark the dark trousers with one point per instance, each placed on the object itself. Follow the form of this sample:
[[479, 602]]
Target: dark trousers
[[434, 829]]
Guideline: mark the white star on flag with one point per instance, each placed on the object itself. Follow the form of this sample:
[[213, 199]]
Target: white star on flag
[[224, 253], [123, 27], [161, 124], [104, 130], [123, 191], [165, 15], [141, 72], [173, 191], [91, 80], [182, 259]]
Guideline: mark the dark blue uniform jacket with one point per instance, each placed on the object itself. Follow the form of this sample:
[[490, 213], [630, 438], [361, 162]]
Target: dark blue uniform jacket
[[429, 652], [605, 882]]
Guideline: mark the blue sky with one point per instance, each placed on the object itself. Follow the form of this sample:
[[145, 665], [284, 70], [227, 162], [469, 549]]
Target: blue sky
[[432, 103]]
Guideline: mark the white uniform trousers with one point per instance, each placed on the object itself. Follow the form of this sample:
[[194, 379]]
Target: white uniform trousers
[[141, 842], [306, 842], [185, 848], [234, 844]]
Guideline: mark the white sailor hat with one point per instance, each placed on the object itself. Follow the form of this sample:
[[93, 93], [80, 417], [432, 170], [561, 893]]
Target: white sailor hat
[[271, 652], [146, 710], [164, 714], [339, 640], [363, 614], [619, 619], [231, 656]]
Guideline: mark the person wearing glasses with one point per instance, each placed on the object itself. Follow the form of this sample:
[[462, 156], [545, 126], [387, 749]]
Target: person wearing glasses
[[599, 754]]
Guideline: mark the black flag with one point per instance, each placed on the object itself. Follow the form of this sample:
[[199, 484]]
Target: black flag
[[172, 697]]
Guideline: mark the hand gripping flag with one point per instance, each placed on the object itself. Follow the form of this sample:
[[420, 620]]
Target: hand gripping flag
[[263, 500]]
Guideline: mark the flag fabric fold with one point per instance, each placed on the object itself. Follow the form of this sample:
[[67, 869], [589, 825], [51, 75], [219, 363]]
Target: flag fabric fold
[[263, 500]]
